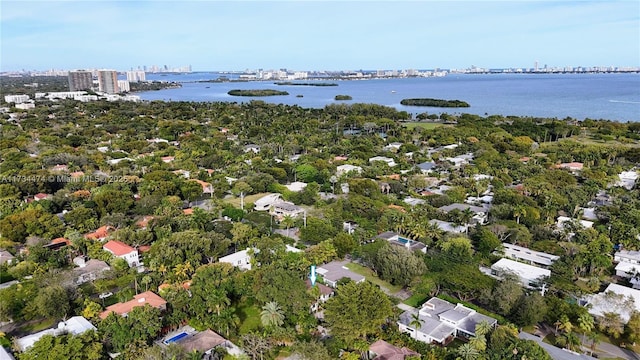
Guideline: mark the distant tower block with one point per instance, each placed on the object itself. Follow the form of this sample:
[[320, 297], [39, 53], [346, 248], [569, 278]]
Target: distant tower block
[[80, 80], [108, 81]]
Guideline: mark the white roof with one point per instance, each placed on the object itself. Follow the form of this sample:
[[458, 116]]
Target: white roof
[[621, 300], [447, 226], [629, 268], [233, 258], [348, 167], [584, 223], [75, 326], [523, 271], [524, 253], [268, 200], [627, 255], [296, 186], [292, 249], [5, 355]]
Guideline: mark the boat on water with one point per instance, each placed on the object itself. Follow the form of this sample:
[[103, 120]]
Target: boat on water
[[393, 91]]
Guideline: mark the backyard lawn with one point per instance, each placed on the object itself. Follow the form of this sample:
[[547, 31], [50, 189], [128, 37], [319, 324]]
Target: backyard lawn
[[249, 318], [235, 201], [369, 275]]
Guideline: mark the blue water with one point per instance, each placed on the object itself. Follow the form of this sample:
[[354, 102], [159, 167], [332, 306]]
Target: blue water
[[403, 240], [175, 338], [579, 96]]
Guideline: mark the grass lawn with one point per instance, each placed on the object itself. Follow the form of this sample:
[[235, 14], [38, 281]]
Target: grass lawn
[[424, 125], [247, 199], [249, 317], [369, 275], [416, 300], [35, 326]]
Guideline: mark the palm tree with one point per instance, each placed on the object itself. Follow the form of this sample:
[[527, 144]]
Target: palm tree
[[519, 211], [479, 342], [565, 324], [288, 221], [271, 315], [586, 324], [468, 352], [415, 323], [483, 328]]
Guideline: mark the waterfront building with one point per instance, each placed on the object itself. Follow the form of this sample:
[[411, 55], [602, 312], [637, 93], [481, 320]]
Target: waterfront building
[[108, 81], [80, 80], [18, 99], [136, 76], [123, 85]]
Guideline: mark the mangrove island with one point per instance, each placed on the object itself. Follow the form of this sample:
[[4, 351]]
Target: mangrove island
[[434, 103], [264, 92]]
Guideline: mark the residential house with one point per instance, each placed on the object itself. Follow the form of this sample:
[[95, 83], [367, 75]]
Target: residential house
[[346, 168], [324, 292], [207, 188], [562, 220], [58, 243], [460, 160], [296, 186], [41, 196], [627, 179], [88, 270], [240, 259], [123, 251], [616, 299], [413, 201], [449, 227], [144, 222], [100, 234], [6, 257], [480, 214], [427, 166], [628, 266], [266, 202], [389, 161], [334, 271], [382, 350], [394, 146], [572, 166], [60, 168], [528, 275], [251, 147], [282, 209], [142, 299], [204, 342], [442, 321], [167, 159], [349, 226], [532, 257], [75, 325], [398, 240]]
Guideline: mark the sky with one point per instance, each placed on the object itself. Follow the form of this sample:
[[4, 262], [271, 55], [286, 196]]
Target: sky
[[317, 35]]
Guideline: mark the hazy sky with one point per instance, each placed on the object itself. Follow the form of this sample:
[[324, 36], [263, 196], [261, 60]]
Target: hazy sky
[[319, 35]]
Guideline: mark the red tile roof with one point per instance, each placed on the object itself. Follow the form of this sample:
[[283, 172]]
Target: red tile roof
[[188, 211], [386, 351], [146, 297], [101, 233], [60, 240], [118, 248]]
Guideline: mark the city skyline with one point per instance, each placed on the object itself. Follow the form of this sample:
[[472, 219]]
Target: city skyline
[[311, 35]]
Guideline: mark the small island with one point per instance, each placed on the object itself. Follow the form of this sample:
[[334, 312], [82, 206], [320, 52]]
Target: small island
[[305, 83], [299, 95], [434, 103], [263, 92], [153, 85], [343, 97]]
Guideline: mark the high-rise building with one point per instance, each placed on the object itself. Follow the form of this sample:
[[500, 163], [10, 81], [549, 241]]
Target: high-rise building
[[80, 80], [108, 81], [136, 76], [123, 86]]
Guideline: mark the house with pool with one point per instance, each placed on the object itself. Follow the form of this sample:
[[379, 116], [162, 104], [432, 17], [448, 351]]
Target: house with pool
[[399, 240], [441, 321]]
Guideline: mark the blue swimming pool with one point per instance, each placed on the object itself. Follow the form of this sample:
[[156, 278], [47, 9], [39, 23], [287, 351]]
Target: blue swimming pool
[[175, 338], [403, 240]]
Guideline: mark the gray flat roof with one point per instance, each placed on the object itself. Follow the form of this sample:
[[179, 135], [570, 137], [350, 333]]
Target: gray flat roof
[[337, 270]]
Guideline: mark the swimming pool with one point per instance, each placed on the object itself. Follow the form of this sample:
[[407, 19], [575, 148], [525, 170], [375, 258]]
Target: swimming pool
[[403, 240], [175, 338]]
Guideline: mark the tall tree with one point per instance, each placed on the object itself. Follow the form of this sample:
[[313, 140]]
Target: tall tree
[[357, 310]]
